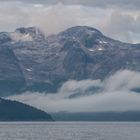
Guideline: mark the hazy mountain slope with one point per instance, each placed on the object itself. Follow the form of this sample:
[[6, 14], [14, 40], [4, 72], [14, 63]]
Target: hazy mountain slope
[[11, 76], [43, 64]]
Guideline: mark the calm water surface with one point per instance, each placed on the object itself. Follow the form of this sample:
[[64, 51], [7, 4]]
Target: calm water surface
[[69, 130]]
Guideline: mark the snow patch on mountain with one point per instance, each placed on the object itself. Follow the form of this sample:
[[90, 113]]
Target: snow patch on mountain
[[20, 37]]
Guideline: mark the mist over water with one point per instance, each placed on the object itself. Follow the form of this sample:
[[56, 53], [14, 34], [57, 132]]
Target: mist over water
[[118, 92]]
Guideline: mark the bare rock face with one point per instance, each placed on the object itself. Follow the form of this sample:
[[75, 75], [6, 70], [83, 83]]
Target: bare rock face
[[11, 76], [32, 62]]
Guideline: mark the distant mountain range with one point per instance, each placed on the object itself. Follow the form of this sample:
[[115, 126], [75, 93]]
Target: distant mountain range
[[32, 62], [97, 116], [16, 111]]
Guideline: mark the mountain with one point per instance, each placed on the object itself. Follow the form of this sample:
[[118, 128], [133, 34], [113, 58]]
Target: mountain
[[16, 111], [97, 116], [32, 62]]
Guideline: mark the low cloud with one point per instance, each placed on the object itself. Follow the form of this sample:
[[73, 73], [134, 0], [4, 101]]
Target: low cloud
[[123, 26], [116, 94]]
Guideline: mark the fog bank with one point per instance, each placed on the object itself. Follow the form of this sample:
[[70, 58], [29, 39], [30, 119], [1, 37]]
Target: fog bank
[[117, 93]]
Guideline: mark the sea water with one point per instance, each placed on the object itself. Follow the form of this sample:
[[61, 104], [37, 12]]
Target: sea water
[[69, 130]]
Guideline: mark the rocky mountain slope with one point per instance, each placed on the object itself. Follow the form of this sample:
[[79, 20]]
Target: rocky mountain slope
[[16, 111], [32, 62]]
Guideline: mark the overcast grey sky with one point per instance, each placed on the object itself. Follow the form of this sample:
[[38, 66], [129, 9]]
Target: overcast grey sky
[[95, 3], [119, 19]]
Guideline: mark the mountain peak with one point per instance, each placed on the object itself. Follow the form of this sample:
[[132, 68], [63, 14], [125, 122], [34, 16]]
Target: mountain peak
[[24, 30], [32, 32], [83, 28], [78, 31]]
